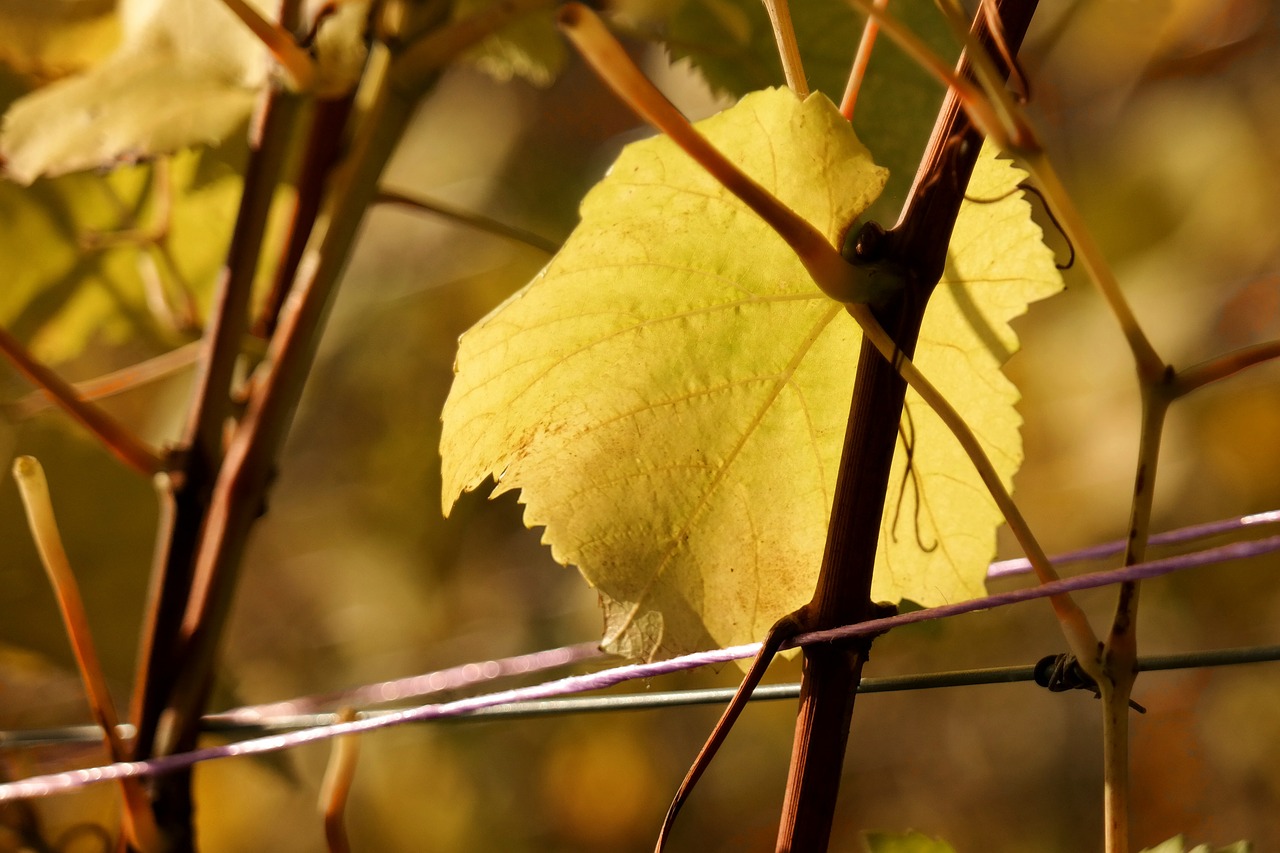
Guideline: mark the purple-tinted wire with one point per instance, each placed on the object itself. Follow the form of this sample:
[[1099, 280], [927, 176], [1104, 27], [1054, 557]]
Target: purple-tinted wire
[[55, 783], [1021, 565], [453, 678]]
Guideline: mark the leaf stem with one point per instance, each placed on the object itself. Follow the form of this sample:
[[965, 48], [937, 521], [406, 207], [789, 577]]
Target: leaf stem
[[297, 63], [139, 821], [113, 435], [1080, 636], [836, 277]]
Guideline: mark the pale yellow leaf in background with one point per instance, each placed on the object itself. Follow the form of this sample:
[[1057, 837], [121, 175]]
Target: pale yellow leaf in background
[[670, 394], [46, 39], [185, 73]]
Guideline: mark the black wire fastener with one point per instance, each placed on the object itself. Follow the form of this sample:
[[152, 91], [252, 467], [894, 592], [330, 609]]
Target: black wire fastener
[[1059, 673]]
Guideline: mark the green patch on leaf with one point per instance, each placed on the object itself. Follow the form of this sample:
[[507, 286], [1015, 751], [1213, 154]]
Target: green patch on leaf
[[904, 842], [670, 394]]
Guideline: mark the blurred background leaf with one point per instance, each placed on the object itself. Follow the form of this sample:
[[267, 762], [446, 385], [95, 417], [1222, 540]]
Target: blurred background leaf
[[1167, 135]]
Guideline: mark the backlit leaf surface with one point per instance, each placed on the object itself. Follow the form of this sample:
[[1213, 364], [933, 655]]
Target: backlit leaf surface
[[186, 72], [670, 394]]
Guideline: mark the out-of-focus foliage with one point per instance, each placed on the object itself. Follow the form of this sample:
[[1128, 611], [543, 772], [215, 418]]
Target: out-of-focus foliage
[[907, 842], [529, 48], [186, 72], [47, 39], [1165, 118], [110, 258]]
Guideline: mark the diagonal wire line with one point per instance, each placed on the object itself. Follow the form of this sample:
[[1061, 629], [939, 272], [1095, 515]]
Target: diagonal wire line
[[45, 785], [226, 724], [1020, 565]]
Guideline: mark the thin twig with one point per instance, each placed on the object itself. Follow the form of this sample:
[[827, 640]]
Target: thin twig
[[113, 435], [849, 103], [113, 383], [466, 217], [1224, 366], [336, 786], [296, 62]]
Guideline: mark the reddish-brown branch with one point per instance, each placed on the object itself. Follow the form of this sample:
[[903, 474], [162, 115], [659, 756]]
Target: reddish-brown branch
[[915, 250], [114, 435]]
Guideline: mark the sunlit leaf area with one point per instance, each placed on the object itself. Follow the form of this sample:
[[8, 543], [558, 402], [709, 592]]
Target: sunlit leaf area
[[1162, 118]]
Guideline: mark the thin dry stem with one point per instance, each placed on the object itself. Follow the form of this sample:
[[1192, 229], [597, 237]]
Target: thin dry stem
[[465, 217], [1222, 367], [849, 103], [1080, 636], [783, 630], [297, 63], [336, 786], [34, 488], [113, 435], [115, 382], [979, 108], [784, 34], [837, 278], [1120, 657]]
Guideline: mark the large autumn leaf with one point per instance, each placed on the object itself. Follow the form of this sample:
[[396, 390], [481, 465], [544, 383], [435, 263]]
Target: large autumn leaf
[[670, 393]]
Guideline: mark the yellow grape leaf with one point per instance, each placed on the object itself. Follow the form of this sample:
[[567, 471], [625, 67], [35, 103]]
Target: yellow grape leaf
[[186, 72], [670, 394]]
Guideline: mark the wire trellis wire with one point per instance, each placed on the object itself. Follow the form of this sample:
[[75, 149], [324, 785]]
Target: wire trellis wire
[[46, 785]]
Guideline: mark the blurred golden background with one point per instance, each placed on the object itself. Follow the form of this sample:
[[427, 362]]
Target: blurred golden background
[[1163, 115]]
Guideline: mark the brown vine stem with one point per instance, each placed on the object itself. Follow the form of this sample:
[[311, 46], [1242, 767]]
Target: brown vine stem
[[382, 112], [1120, 656], [112, 434], [1215, 370], [915, 249], [185, 495]]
